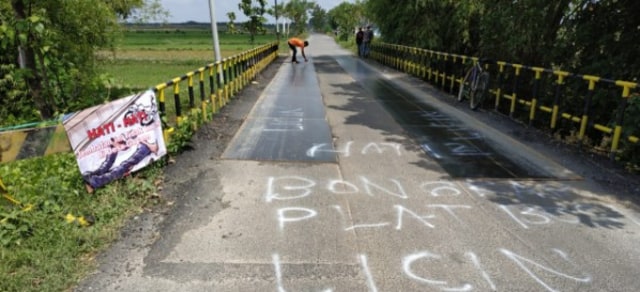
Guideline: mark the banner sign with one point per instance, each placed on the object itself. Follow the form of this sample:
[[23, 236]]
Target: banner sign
[[114, 139]]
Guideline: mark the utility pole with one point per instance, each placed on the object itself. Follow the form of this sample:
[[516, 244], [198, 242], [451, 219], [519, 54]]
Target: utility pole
[[284, 30], [277, 29], [214, 32]]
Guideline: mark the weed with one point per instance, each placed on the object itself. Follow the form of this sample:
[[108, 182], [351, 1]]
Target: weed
[[43, 245]]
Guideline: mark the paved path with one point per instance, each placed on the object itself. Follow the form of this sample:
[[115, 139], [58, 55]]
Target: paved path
[[328, 186]]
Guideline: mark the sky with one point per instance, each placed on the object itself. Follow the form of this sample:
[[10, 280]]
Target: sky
[[198, 10]]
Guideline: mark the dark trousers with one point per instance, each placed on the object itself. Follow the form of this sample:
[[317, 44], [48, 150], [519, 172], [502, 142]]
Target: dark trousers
[[295, 52], [366, 46], [104, 174]]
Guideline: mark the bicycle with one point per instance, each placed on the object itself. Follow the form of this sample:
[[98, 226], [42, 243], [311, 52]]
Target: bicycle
[[475, 84]]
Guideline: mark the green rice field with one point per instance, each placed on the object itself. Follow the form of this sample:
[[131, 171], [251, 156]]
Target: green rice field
[[146, 57]]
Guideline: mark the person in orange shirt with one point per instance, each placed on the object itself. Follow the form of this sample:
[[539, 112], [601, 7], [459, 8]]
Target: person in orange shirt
[[296, 42]]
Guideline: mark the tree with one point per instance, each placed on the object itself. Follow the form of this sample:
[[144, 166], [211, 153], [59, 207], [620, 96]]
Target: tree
[[254, 10], [433, 24], [231, 27], [283, 15], [602, 36], [151, 11], [525, 31], [595, 37], [318, 19], [346, 17], [48, 52], [297, 11]]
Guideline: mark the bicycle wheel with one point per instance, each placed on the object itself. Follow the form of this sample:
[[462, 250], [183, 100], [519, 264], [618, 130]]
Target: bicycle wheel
[[477, 97], [465, 86]]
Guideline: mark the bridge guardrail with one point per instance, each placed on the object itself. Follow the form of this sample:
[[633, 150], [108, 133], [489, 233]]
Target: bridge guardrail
[[225, 79], [559, 100]]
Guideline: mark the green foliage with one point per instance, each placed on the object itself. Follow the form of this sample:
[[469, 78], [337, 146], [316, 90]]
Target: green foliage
[[181, 136], [583, 36], [15, 225], [601, 39], [148, 11], [434, 24], [579, 36], [45, 184], [631, 126], [297, 11], [34, 231], [48, 53], [15, 107], [125, 8], [255, 12], [319, 19], [345, 18], [231, 26]]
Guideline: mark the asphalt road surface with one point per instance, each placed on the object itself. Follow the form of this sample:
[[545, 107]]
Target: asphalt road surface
[[344, 176]]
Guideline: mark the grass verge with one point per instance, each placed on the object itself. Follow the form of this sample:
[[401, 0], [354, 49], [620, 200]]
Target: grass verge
[[40, 248], [44, 243]]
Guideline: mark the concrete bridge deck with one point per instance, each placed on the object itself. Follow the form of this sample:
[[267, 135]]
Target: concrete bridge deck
[[346, 177]]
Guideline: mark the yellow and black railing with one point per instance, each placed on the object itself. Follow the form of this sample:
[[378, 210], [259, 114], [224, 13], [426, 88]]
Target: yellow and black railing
[[540, 96], [225, 79]]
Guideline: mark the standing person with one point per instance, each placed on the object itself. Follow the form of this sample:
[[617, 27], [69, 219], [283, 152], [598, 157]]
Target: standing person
[[368, 37], [359, 38], [296, 42]]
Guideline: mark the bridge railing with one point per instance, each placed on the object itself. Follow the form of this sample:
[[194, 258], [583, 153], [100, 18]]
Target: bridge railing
[[216, 84], [589, 108], [202, 92]]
